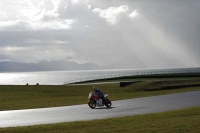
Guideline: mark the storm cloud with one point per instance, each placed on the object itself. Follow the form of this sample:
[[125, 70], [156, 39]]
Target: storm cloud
[[110, 33]]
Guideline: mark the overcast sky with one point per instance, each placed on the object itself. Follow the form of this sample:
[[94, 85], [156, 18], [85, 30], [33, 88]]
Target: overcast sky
[[112, 33]]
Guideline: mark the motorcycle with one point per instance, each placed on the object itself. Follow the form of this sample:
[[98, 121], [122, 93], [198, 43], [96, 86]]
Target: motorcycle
[[94, 101]]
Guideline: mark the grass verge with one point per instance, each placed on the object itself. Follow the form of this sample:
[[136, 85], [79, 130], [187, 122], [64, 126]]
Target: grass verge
[[180, 121]]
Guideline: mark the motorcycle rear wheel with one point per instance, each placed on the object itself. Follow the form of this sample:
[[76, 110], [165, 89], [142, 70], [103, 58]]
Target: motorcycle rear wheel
[[108, 103], [92, 104]]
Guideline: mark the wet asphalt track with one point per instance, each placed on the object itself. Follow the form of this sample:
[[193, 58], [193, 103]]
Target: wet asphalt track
[[83, 112]]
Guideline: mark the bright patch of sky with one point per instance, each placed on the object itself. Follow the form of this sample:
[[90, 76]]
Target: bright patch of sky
[[110, 33]]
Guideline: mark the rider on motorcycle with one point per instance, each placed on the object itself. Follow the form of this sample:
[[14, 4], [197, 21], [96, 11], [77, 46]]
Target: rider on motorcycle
[[99, 92]]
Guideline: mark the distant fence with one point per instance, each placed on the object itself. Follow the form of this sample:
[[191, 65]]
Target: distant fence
[[132, 75]]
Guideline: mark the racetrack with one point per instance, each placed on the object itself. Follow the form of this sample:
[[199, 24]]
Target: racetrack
[[83, 112]]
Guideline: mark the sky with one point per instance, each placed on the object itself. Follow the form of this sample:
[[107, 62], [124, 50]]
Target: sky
[[111, 33]]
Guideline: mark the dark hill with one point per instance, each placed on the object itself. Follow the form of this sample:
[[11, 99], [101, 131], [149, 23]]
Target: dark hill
[[56, 65]]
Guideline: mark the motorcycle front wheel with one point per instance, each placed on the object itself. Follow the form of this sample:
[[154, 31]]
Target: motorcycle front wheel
[[108, 103], [92, 104]]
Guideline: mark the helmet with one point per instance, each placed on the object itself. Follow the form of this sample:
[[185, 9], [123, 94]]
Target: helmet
[[95, 88]]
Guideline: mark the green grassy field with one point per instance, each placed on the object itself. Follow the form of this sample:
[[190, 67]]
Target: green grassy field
[[24, 97], [180, 121]]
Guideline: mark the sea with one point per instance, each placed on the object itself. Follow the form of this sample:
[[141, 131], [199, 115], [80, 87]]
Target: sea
[[64, 77]]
